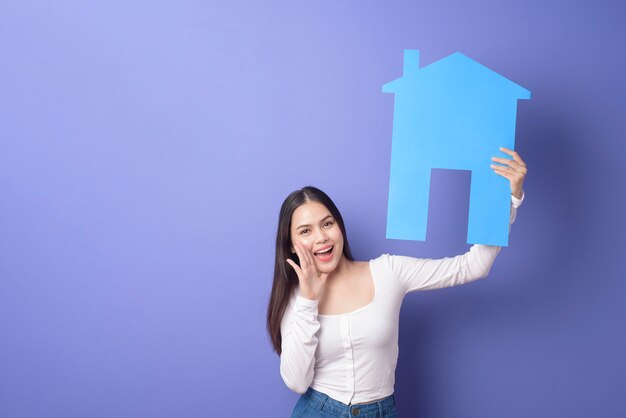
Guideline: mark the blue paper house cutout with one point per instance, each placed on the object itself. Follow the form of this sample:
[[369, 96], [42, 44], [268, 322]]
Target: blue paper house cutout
[[453, 114]]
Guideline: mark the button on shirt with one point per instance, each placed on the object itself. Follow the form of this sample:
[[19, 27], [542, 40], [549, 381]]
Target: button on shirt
[[352, 357]]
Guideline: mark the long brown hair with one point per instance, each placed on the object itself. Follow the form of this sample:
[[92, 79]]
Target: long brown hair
[[285, 278]]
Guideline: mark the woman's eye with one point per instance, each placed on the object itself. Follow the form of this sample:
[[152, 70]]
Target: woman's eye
[[328, 223], [303, 231]]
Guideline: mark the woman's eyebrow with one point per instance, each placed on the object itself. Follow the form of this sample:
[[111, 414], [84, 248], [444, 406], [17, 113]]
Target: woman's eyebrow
[[323, 219]]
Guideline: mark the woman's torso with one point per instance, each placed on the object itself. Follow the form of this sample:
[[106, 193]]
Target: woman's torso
[[349, 292], [357, 349]]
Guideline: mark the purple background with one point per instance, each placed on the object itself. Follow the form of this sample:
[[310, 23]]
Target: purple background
[[146, 148]]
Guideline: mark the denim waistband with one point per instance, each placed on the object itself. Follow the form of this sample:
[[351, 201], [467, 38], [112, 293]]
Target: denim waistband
[[325, 403]]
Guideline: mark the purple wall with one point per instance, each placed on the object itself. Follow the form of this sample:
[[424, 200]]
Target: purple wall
[[145, 151]]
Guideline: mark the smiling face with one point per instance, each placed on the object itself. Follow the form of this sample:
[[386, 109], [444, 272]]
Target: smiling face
[[314, 227]]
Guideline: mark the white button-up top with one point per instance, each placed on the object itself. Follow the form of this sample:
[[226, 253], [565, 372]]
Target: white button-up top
[[352, 357]]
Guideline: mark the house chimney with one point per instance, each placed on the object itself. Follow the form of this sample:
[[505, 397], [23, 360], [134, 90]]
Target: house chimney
[[411, 61]]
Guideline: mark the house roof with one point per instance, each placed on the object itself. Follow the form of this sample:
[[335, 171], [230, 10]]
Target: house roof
[[456, 69]]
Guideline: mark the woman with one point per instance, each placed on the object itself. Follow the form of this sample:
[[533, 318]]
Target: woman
[[334, 320]]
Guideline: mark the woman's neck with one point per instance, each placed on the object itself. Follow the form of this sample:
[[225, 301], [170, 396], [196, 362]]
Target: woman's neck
[[343, 269]]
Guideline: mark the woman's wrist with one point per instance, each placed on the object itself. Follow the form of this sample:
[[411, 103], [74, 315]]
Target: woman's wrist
[[309, 296]]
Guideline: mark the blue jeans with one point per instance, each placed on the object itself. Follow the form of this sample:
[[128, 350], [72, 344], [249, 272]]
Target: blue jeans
[[314, 404]]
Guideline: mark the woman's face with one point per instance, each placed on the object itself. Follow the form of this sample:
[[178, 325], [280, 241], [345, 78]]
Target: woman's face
[[315, 229]]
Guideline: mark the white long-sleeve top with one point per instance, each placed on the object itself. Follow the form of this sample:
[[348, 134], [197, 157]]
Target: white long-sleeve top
[[352, 357]]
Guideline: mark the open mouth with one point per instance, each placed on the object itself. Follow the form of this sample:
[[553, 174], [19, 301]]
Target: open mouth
[[325, 255]]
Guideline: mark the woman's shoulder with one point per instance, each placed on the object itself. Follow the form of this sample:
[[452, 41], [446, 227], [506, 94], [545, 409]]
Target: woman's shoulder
[[393, 263], [383, 258], [381, 263]]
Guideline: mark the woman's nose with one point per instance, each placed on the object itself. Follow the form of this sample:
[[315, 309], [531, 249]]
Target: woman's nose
[[321, 236]]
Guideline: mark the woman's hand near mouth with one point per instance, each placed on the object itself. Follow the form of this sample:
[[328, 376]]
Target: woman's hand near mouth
[[312, 282]]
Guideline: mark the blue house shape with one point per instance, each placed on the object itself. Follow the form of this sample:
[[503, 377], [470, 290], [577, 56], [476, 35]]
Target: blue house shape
[[453, 114]]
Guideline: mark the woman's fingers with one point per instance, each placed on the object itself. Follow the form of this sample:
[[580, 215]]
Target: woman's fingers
[[511, 174], [503, 168], [515, 156], [296, 268], [306, 261], [504, 174], [511, 163], [309, 257], [301, 256], [306, 256], [307, 264], [515, 172]]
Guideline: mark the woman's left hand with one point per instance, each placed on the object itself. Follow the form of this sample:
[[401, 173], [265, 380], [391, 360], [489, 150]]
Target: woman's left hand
[[514, 170]]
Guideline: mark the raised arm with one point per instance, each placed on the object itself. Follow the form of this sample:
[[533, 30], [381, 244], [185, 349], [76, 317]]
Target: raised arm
[[299, 342], [299, 325], [426, 273]]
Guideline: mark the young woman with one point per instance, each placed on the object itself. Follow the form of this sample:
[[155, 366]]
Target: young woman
[[334, 320]]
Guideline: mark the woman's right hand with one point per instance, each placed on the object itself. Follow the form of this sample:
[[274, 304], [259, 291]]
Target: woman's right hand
[[312, 282]]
